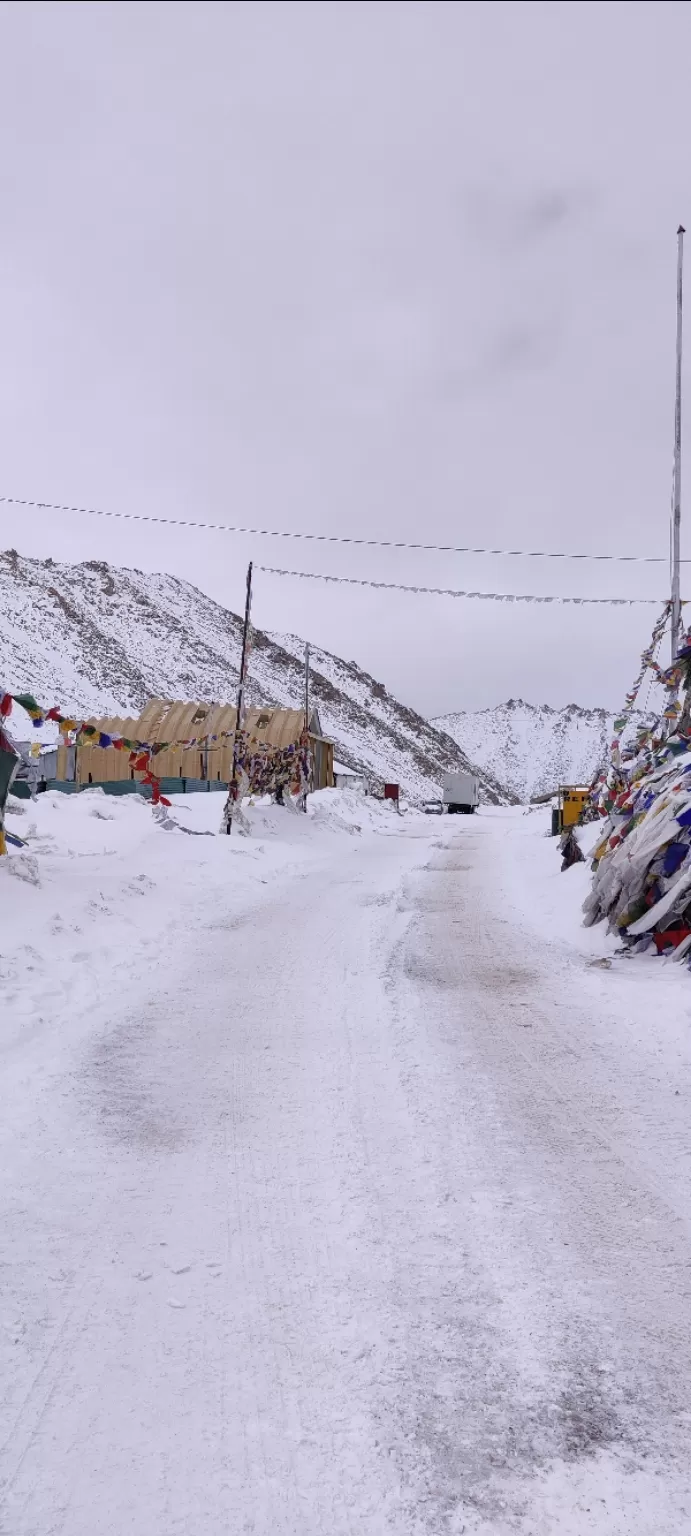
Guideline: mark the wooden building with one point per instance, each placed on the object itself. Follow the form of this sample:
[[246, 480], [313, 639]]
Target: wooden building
[[209, 761]]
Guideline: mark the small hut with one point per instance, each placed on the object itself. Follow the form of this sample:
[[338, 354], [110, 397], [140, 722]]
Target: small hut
[[206, 765]]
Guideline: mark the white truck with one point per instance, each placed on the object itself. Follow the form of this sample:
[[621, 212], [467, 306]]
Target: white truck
[[460, 792]]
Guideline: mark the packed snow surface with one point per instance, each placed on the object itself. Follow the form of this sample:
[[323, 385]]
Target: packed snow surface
[[533, 748], [345, 1182]]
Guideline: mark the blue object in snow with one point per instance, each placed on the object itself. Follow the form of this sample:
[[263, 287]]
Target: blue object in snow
[[674, 857], [16, 842]]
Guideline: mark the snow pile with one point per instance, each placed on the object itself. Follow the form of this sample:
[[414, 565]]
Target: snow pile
[[100, 885], [351, 811], [534, 890]]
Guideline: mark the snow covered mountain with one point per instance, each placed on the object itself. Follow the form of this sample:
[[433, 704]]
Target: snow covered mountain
[[532, 748], [102, 639]]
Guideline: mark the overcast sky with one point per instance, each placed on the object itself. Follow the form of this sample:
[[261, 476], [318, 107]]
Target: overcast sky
[[399, 270]]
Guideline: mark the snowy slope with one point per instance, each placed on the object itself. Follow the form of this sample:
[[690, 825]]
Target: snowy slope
[[99, 638], [532, 748]]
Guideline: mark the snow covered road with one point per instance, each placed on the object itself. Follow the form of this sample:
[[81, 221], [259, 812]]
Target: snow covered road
[[366, 1211]]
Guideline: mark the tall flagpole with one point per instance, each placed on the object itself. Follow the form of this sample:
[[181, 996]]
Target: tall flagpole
[[307, 702], [676, 502]]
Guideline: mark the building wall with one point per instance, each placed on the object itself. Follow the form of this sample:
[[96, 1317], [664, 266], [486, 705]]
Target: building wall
[[162, 720]]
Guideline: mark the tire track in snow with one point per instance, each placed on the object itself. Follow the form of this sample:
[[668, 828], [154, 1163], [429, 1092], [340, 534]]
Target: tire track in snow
[[408, 1281], [582, 1270]]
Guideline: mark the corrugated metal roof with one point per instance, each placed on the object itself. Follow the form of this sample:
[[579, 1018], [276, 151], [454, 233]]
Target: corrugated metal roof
[[174, 721]]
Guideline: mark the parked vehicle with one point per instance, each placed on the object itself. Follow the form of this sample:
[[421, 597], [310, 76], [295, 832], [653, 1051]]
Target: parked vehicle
[[460, 793]]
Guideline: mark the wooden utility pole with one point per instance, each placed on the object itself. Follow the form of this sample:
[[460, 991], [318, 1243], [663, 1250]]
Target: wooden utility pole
[[307, 702], [676, 501], [240, 704]]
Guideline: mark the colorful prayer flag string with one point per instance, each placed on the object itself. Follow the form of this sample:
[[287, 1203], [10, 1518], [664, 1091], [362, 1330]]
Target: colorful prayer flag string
[[263, 769]]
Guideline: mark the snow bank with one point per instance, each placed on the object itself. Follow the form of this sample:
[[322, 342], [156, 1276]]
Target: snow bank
[[350, 811], [536, 890], [88, 904], [643, 999]]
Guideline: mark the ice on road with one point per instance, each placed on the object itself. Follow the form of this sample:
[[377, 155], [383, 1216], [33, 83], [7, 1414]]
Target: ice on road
[[359, 1205]]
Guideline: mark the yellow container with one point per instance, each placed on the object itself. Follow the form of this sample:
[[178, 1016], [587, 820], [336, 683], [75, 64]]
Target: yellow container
[[572, 802]]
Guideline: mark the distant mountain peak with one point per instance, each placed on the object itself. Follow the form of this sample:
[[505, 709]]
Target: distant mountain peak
[[533, 748]]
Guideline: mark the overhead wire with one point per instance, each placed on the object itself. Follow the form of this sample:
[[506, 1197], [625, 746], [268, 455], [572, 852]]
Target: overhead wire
[[332, 538], [488, 597]]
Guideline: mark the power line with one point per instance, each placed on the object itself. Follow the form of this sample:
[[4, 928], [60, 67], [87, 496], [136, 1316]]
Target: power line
[[487, 597], [333, 538]]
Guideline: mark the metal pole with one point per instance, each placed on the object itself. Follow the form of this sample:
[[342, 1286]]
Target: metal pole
[[239, 707], [676, 513], [307, 702]]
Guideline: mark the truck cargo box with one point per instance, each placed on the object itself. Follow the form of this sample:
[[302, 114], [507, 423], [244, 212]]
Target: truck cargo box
[[460, 792]]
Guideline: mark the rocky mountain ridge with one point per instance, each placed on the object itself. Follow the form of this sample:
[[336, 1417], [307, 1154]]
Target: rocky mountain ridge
[[533, 748], [97, 638]]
